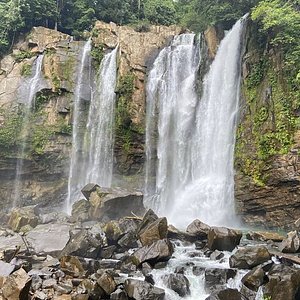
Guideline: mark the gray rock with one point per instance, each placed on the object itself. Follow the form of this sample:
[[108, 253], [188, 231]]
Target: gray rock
[[217, 278], [6, 268], [254, 279], [36, 282], [118, 295], [198, 229], [107, 283], [216, 255], [88, 189], [226, 294], [141, 290], [49, 283], [249, 257], [80, 211], [178, 283], [223, 239], [291, 244]]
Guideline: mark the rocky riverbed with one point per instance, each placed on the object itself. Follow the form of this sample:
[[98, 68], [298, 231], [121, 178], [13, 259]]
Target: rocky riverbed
[[112, 248]]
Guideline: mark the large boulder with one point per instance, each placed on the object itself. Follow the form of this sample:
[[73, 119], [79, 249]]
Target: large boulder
[[198, 229], [178, 283], [264, 236], [80, 211], [284, 283], [176, 234], [107, 283], [16, 286], [21, 217], [249, 257], [113, 203], [223, 239], [291, 244], [84, 243], [225, 294], [142, 290], [254, 279], [217, 278], [161, 250]]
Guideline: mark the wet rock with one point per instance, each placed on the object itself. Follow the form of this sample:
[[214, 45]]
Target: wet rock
[[264, 236], [80, 211], [226, 294], [178, 283], [107, 283], [16, 286], [216, 255], [49, 238], [291, 244], [161, 250], [141, 290], [84, 244], [216, 278], [146, 269], [249, 257], [223, 239], [197, 270], [174, 233], [198, 229], [284, 283], [160, 265], [89, 189], [254, 279], [118, 295], [20, 217], [199, 245], [107, 252], [109, 264], [114, 203], [153, 232]]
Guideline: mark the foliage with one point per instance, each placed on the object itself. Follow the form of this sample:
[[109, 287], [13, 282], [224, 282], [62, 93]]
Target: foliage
[[40, 138], [20, 56], [26, 70], [97, 54]]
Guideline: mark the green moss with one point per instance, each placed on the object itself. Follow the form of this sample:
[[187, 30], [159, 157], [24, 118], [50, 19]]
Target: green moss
[[97, 54], [56, 82], [68, 69], [64, 128], [40, 138], [41, 99], [26, 70], [23, 54]]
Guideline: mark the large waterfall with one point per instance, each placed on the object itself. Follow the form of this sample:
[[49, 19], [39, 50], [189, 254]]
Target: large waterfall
[[196, 136], [92, 150], [27, 95]]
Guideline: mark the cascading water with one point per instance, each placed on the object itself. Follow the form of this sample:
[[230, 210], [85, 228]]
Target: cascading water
[[27, 96], [92, 154], [194, 176]]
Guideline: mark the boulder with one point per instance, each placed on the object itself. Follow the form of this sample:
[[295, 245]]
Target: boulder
[[16, 286], [175, 234], [264, 236], [107, 283], [149, 217], [141, 290], [114, 203], [128, 241], [254, 279], [226, 294], [161, 250], [154, 231], [223, 239], [216, 255], [118, 295], [291, 244], [178, 283], [21, 217], [6, 268], [249, 257], [216, 278], [91, 288], [198, 229], [80, 211], [284, 283], [84, 243], [89, 189], [73, 265]]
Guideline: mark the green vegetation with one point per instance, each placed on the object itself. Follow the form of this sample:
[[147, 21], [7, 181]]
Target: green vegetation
[[26, 70], [97, 54], [20, 56]]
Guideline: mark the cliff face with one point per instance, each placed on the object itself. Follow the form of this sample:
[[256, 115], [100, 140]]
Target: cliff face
[[47, 151], [268, 139]]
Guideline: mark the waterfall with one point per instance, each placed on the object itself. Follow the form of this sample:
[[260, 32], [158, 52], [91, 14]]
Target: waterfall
[[196, 137], [27, 96], [92, 149]]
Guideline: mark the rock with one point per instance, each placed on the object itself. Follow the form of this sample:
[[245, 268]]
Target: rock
[[107, 283], [249, 257], [174, 233], [198, 229], [217, 278], [226, 294], [114, 203], [128, 241], [91, 288], [141, 290], [161, 250], [49, 283], [36, 282], [20, 217], [284, 282], [291, 244], [223, 239], [146, 269], [107, 252], [85, 243], [154, 231], [89, 189], [178, 283], [254, 279], [16, 286], [297, 225], [264, 236], [112, 232], [216, 255], [72, 264], [118, 295], [80, 211], [49, 238], [6, 268], [198, 271]]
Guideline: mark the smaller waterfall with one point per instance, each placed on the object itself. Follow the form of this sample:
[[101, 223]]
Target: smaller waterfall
[[92, 155], [27, 95]]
